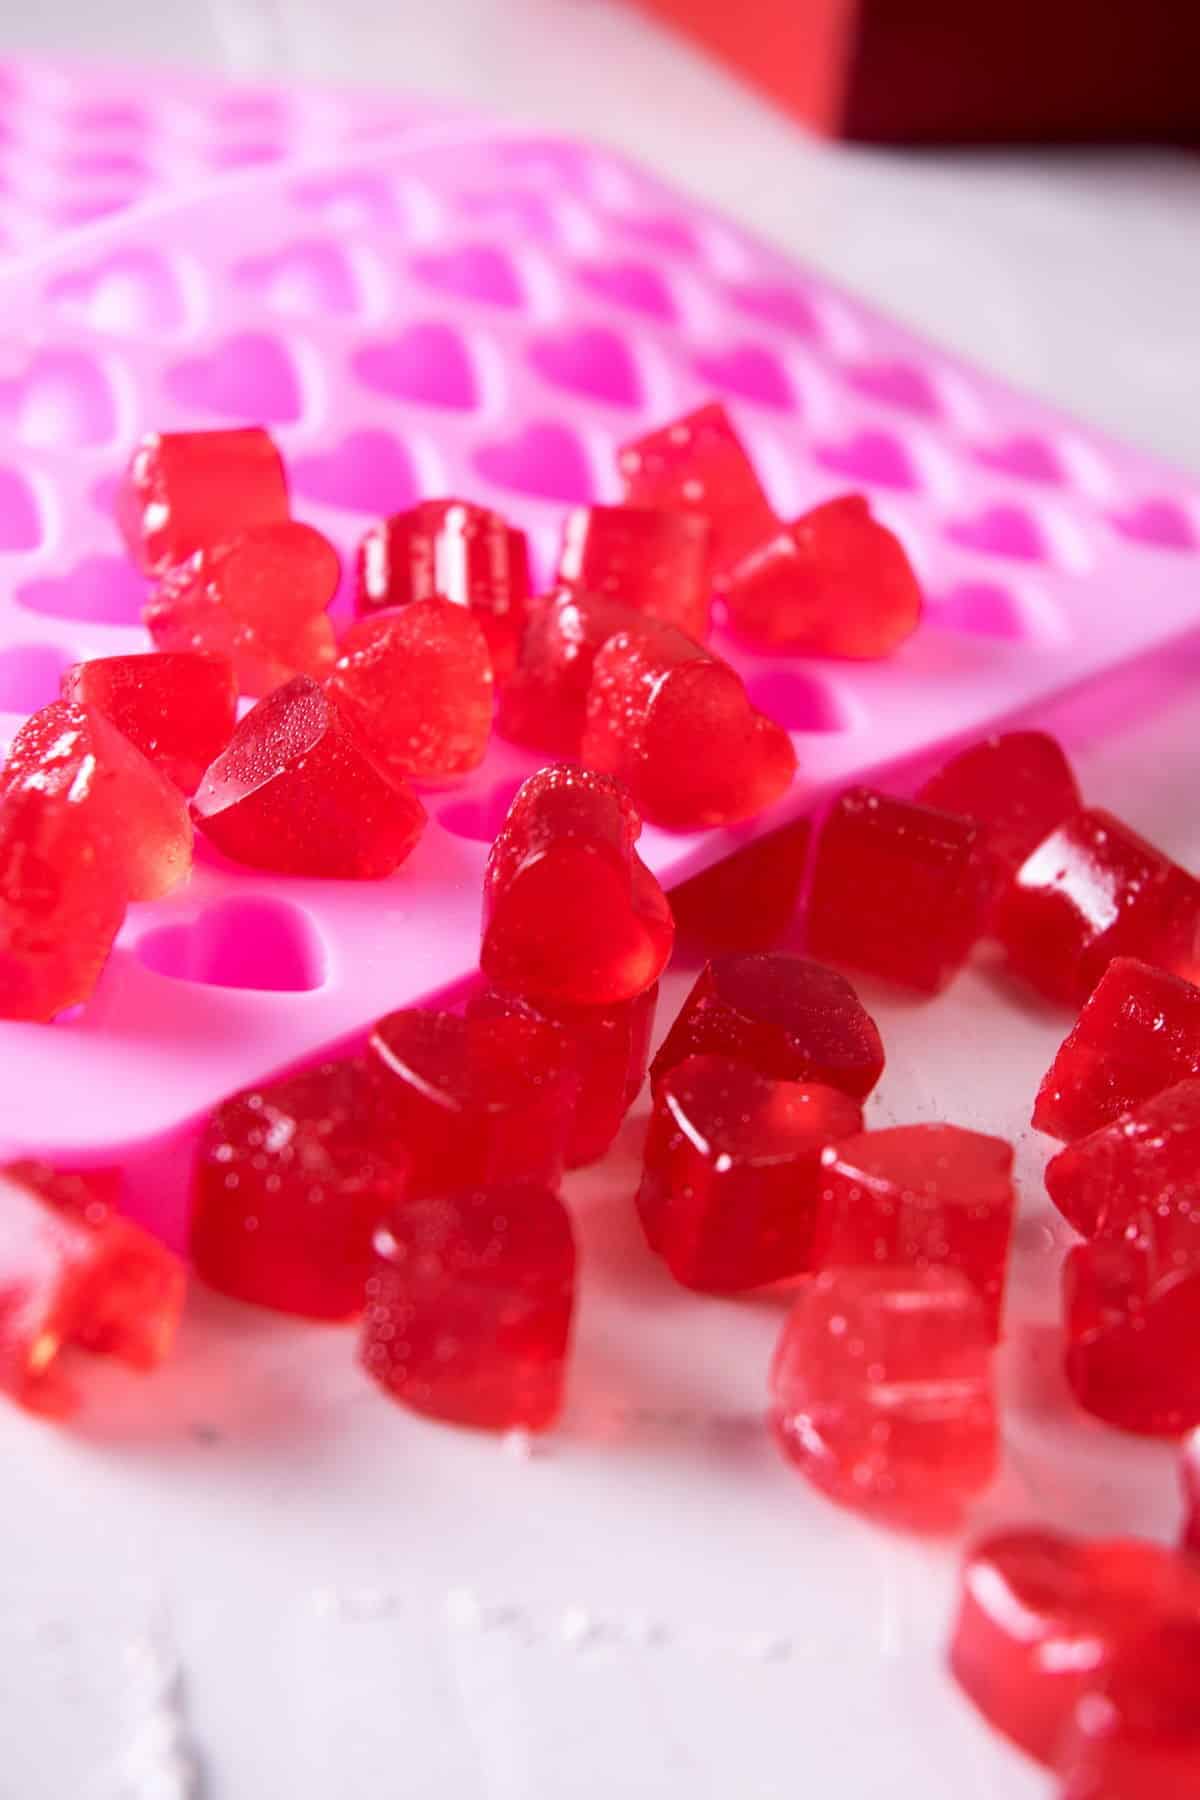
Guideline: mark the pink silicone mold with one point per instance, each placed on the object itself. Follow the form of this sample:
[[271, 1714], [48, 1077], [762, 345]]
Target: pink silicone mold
[[487, 311]]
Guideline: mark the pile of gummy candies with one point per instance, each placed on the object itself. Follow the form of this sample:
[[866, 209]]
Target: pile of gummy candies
[[413, 1186]]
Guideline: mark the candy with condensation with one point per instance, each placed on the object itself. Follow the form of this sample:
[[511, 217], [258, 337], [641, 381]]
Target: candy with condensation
[[923, 1196], [1138, 1032], [291, 1180], [731, 1178], [75, 1276], [544, 703], [788, 1018], [177, 707], [881, 1392], [833, 583], [415, 684], [570, 912], [698, 464], [748, 900], [185, 491], [677, 726], [1136, 1734], [469, 1306], [653, 560], [1091, 891], [897, 889], [1147, 1156], [259, 598], [295, 791]]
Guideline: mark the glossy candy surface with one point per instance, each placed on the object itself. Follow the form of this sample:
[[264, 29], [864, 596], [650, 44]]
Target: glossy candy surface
[[652, 560], [747, 901], [190, 490], [698, 464], [1136, 1736], [544, 703], [1018, 787], [1148, 1156], [177, 708]]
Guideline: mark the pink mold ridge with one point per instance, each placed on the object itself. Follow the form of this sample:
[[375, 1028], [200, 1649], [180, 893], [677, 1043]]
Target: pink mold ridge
[[474, 308]]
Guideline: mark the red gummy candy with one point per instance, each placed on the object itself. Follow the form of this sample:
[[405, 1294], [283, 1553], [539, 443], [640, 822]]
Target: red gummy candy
[[748, 901], [570, 912], [731, 1183], [1042, 1618], [1131, 1298], [897, 889], [259, 600], [1191, 1492], [1018, 788], [62, 902], [451, 550], [834, 583], [74, 1276], [470, 1303], [177, 708], [656, 562], [1138, 1032], [1137, 1735], [291, 1180], [675, 724], [788, 1018], [474, 1102], [189, 490], [295, 792], [1147, 1155], [698, 464], [881, 1392], [73, 757], [924, 1196], [1093, 890], [609, 1049], [416, 686], [544, 704]]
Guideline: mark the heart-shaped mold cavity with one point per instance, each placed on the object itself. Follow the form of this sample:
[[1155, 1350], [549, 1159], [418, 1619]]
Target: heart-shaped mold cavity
[[631, 284], [29, 676], [110, 117], [797, 702], [428, 363], [785, 307], [107, 165], [313, 278], [103, 589], [664, 230], [520, 209], [1001, 531], [355, 202], [63, 397], [250, 376], [20, 516], [590, 361], [873, 457], [897, 384], [368, 472], [751, 372], [1029, 458], [251, 153], [1163, 524], [268, 945], [983, 608], [480, 817], [472, 272], [131, 293], [545, 459]]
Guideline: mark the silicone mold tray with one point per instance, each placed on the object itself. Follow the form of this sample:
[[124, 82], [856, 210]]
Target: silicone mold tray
[[492, 312]]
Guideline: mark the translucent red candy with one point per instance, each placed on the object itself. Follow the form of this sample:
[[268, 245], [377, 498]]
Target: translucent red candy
[[74, 1276], [1093, 890], [570, 912], [1149, 1155], [897, 889], [474, 1102], [177, 708], [925, 1196], [1018, 788], [291, 1180], [258, 599], [609, 1049], [470, 1302], [656, 562], [1191, 1493], [698, 464], [834, 583], [881, 1392], [1138, 1032], [1043, 1618], [732, 1177], [749, 900], [137, 820], [454, 551], [416, 685], [188, 490], [544, 704], [1137, 1736], [294, 791], [676, 725], [788, 1018], [62, 902]]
